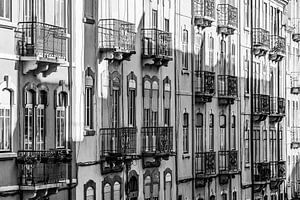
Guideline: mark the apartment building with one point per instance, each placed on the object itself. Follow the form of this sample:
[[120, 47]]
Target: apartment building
[[292, 95], [35, 142]]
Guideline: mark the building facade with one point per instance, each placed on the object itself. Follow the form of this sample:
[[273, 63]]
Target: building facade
[[149, 99]]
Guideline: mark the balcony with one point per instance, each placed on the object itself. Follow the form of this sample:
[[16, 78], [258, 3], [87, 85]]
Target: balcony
[[228, 165], [43, 170], [205, 167], [261, 106], [157, 47], [227, 19], [295, 140], [42, 47], [204, 86], [116, 39], [157, 143], [262, 173], [277, 109], [204, 12], [227, 89], [118, 146], [277, 48], [278, 173], [261, 41]]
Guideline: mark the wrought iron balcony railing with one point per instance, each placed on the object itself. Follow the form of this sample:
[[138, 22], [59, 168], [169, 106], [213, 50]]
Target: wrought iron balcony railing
[[42, 40], [157, 140], [227, 86], [117, 142], [43, 167], [204, 12], [228, 161], [227, 18], [204, 85], [277, 48], [205, 163], [156, 44], [277, 106], [44, 156], [261, 104], [116, 35], [261, 41], [262, 172], [278, 170]]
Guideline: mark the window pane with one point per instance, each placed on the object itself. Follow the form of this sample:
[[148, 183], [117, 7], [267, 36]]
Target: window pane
[[2, 8], [90, 193], [117, 191], [107, 192]]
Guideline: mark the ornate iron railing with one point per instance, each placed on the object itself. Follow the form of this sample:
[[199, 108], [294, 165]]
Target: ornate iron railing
[[277, 44], [277, 105], [261, 104], [118, 35], [262, 172], [261, 38], [205, 163], [228, 161], [157, 139], [204, 9], [204, 82], [41, 39], [118, 141], [227, 86], [278, 170], [227, 16], [156, 43], [44, 156]]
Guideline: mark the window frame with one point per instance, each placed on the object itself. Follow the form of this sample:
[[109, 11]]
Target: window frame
[[7, 128], [185, 49], [247, 142], [185, 127], [167, 92], [89, 99], [147, 87], [6, 9], [131, 98], [89, 184]]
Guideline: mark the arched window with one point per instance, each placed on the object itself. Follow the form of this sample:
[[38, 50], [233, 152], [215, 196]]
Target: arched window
[[168, 186], [28, 120], [212, 197], [224, 196], [233, 132], [131, 84], [185, 52], [234, 195], [5, 120], [133, 188], [89, 100], [41, 117], [155, 104], [199, 133], [211, 132], [115, 96], [89, 190], [107, 192], [167, 101], [147, 187], [61, 120], [147, 103], [117, 191]]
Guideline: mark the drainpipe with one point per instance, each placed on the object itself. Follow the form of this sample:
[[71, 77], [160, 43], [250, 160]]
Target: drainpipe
[[70, 168], [251, 101], [193, 101]]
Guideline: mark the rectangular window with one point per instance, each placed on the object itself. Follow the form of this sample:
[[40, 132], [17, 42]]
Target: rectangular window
[[233, 132], [28, 134], [115, 108], [211, 132], [280, 145], [154, 19], [167, 25], [185, 133], [247, 73], [185, 53], [273, 146], [59, 18], [131, 107], [222, 132], [247, 147], [247, 19], [265, 147], [154, 107], [61, 127], [5, 9], [5, 128], [89, 8], [256, 141], [40, 135], [89, 108], [199, 133]]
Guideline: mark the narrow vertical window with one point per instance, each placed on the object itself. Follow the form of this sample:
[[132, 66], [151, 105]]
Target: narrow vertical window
[[246, 141], [147, 188], [154, 19], [89, 9], [247, 19], [256, 138], [5, 121], [131, 100], [5, 9], [222, 132], [61, 118], [247, 77], [59, 17], [185, 53], [185, 133], [168, 186], [28, 121], [89, 102], [211, 53], [233, 59], [273, 149], [147, 103], [280, 144], [41, 114], [167, 25], [155, 186], [233, 132], [115, 102], [89, 190], [265, 143], [167, 101], [199, 133], [211, 132], [155, 106], [107, 192], [117, 191]]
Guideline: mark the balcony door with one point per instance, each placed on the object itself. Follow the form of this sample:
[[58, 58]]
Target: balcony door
[[34, 10]]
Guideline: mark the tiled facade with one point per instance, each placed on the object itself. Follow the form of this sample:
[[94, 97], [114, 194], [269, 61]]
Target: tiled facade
[[149, 99]]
